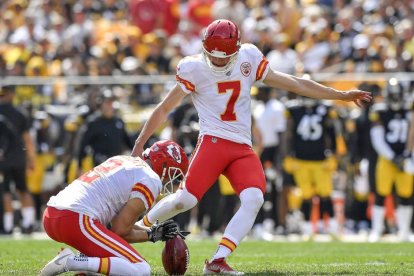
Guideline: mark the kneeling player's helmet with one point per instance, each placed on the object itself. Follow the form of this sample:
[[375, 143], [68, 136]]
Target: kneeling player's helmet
[[169, 161], [221, 39], [394, 94]]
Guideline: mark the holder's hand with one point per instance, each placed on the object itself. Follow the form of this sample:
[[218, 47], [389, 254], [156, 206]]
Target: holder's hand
[[163, 231]]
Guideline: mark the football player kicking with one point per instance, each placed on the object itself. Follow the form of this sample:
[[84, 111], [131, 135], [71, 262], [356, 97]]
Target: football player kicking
[[114, 194], [219, 81]]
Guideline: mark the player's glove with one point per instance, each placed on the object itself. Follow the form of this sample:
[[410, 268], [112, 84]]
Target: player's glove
[[163, 231], [183, 234]]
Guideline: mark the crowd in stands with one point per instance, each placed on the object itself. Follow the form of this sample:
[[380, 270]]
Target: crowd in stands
[[59, 38]]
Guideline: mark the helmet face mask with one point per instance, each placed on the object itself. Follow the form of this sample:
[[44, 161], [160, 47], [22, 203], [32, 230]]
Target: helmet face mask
[[169, 161], [175, 177], [221, 39]]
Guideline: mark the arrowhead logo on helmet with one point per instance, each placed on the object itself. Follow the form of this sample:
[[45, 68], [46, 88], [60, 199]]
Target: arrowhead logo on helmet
[[174, 152]]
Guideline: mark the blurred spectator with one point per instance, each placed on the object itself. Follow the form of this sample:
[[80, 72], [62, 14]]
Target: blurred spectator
[[21, 158], [150, 15], [157, 63], [282, 58], [257, 20], [190, 43], [28, 34], [80, 29], [8, 138], [364, 159], [313, 50], [287, 14], [233, 10], [200, 14], [364, 59], [269, 117], [105, 134], [346, 31]]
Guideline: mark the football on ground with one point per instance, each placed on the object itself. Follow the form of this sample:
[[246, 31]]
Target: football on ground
[[175, 256]]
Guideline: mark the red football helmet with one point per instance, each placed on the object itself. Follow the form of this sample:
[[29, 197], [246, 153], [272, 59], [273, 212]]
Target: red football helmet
[[169, 161], [221, 39]]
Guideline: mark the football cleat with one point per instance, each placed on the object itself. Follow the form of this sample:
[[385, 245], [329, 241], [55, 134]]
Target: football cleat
[[58, 264], [219, 266]]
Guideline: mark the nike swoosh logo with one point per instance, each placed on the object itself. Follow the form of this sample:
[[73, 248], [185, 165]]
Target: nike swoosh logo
[[57, 260]]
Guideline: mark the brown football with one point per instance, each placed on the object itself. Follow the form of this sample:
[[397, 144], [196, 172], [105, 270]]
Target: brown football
[[175, 256]]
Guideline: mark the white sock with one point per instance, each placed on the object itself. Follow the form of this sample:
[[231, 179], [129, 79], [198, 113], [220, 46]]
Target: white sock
[[251, 199], [404, 214], [171, 205], [28, 214], [8, 221], [107, 266], [83, 263], [222, 252], [378, 219]]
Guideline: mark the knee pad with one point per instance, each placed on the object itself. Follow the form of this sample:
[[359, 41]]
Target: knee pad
[[379, 200], [252, 198], [184, 200]]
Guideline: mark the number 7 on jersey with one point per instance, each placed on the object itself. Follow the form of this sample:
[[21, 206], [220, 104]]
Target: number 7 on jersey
[[234, 87]]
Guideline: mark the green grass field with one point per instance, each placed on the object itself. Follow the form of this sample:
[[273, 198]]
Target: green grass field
[[27, 257]]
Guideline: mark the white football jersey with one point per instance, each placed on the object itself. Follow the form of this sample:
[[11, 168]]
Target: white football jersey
[[101, 192], [223, 100]]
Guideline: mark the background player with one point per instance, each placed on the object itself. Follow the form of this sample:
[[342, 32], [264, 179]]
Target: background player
[[389, 136], [311, 148], [219, 81]]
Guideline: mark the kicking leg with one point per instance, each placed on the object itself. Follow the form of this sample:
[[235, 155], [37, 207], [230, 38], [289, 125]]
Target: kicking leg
[[169, 206]]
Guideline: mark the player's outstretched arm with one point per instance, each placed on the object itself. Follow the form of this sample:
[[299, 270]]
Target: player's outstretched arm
[[312, 89], [158, 116]]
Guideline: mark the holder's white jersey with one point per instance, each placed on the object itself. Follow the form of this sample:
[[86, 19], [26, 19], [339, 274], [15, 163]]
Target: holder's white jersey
[[101, 192], [223, 100]]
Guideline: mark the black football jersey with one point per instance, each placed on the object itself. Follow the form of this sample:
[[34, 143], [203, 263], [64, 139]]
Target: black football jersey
[[396, 125], [312, 134]]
